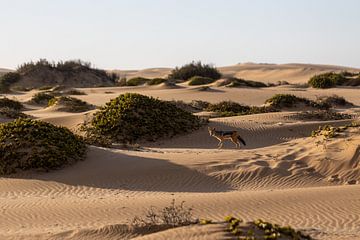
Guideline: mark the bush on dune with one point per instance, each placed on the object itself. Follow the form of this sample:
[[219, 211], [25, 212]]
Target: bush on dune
[[331, 79], [9, 103], [156, 81], [30, 144], [238, 82], [70, 104], [11, 113], [42, 98], [194, 69], [7, 80], [133, 117], [136, 81], [197, 80]]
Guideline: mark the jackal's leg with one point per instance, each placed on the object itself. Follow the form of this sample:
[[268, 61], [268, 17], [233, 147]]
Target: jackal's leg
[[221, 144], [235, 142]]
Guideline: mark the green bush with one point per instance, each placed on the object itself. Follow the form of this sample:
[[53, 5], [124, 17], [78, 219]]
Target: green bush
[[327, 80], [9, 103], [237, 82], [7, 80], [70, 104], [136, 81], [228, 106], [11, 113], [30, 144], [42, 98], [133, 117], [156, 81], [334, 100], [197, 80], [286, 100], [194, 69]]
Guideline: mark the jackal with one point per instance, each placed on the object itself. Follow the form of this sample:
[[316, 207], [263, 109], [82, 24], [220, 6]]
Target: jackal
[[226, 135]]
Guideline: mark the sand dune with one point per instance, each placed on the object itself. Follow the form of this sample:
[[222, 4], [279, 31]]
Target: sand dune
[[281, 175]]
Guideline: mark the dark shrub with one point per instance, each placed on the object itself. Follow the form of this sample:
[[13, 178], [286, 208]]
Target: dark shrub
[[285, 100], [334, 101], [42, 98], [7, 80], [237, 82], [132, 117], [70, 104], [321, 115], [8, 103], [197, 80], [228, 106], [137, 81], [11, 113], [194, 69], [30, 144], [156, 81], [327, 80]]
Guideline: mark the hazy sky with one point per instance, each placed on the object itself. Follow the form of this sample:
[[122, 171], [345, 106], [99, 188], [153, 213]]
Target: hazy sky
[[130, 34]]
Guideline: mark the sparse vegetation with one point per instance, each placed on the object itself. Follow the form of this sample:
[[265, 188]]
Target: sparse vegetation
[[322, 115], [30, 144], [334, 100], [9, 103], [171, 216], [260, 229], [70, 104], [280, 101], [229, 108], [237, 82], [7, 80], [74, 92], [197, 80], [329, 131], [133, 117], [194, 69]]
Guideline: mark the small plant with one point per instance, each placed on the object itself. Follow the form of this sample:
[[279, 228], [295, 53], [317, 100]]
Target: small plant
[[156, 81], [42, 98], [328, 80], [9, 103], [197, 80], [70, 104], [31, 144], [172, 216], [334, 101], [238, 82], [194, 69], [285, 100], [322, 115], [329, 131], [74, 92]]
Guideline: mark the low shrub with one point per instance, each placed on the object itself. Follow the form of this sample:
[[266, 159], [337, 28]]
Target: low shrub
[[322, 115], [11, 113], [74, 92], [228, 106], [197, 80], [137, 81], [329, 131], [70, 104], [172, 216], [133, 117], [42, 98], [7, 80], [238, 82], [31, 144], [334, 101], [9, 103], [328, 80], [194, 69], [156, 81]]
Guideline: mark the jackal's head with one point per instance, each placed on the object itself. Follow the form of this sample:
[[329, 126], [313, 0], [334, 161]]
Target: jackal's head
[[211, 131]]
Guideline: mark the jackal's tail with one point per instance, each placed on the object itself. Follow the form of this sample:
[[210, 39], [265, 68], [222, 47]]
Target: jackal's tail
[[241, 140]]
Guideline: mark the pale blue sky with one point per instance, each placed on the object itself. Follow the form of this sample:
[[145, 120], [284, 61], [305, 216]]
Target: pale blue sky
[[131, 34]]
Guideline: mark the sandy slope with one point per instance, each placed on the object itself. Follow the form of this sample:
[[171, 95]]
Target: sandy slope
[[281, 175], [293, 73]]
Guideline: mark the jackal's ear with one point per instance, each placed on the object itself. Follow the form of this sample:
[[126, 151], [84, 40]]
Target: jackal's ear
[[209, 128]]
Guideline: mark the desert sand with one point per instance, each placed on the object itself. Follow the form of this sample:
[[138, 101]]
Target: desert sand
[[282, 175]]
